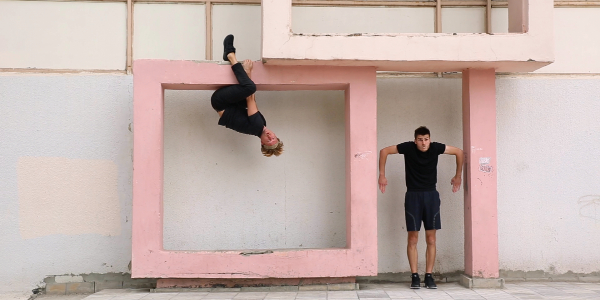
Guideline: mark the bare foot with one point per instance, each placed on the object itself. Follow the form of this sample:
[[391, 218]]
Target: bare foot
[[247, 64], [232, 58]]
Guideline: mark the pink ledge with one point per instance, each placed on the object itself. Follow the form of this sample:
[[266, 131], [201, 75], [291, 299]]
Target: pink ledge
[[150, 259]]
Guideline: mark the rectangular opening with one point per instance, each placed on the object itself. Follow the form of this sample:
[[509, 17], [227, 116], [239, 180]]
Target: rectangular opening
[[349, 20], [294, 201]]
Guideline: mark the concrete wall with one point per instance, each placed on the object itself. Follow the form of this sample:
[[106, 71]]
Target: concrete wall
[[57, 126], [63, 35], [215, 176], [548, 172], [65, 180], [65, 152], [169, 31]]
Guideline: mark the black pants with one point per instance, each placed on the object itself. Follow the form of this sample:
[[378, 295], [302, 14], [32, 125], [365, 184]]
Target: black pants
[[236, 94]]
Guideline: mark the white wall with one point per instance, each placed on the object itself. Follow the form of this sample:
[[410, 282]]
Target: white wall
[[65, 176], [66, 149], [246, 28], [306, 19], [576, 41], [548, 174], [462, 19], [547, 133], [63, 35], [169, 31], [221, 193]]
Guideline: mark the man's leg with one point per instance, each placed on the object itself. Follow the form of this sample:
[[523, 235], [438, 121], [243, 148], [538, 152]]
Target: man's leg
[[430, 259], [431, 219], [411, 251], [233, 94], [413, 259]]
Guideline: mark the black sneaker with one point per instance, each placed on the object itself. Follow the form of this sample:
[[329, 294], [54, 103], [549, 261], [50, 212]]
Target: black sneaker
[[429, 282], [416, 281], [228, 46]]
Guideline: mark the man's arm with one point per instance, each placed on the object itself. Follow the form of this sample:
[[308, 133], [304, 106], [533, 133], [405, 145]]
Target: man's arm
[[251, 103], [382, 160], [457, 179]]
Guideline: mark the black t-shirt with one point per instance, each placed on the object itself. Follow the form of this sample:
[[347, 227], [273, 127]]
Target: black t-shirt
[[420, 167], [236, 118]]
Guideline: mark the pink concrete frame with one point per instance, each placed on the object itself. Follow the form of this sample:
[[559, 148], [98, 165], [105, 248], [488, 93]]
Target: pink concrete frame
[[150, 259], [528, 47]]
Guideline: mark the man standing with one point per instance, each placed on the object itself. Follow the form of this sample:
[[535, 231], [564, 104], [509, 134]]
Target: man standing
[[422, 201]]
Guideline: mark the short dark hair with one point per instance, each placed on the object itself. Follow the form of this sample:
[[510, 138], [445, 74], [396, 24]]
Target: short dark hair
[[422, 131]]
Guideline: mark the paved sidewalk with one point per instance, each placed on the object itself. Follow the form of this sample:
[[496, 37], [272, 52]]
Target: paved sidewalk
[[516, 290]]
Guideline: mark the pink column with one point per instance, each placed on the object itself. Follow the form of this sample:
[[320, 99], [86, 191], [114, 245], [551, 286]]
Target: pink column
[[479, 142]]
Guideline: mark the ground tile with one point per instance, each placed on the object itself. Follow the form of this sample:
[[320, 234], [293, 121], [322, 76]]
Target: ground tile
[[151, 295], [342, 294], [220, 296], [394, 294], [372, 294], [99, 297], [275, 296], [129, 297]]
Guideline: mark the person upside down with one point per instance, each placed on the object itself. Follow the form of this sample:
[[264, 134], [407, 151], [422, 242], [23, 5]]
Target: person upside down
[[236, 104]]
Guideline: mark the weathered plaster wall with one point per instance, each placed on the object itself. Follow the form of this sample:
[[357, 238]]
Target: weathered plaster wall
[[63, 35], [548, 174], [65, 176], [215, 177], [169, 31], [548, 131]]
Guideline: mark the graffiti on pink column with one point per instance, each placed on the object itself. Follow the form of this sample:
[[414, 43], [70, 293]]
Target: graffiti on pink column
[[362, 155], [484, 165], [589, 206]]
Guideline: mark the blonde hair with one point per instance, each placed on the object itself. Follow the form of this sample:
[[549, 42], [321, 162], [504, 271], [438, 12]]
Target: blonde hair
[[274, 151]]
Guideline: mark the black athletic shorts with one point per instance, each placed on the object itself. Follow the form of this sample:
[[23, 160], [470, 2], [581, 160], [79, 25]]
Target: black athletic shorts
[[422, 207]]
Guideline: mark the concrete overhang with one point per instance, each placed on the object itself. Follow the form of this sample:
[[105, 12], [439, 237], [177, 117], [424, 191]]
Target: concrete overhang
[[528, 47]]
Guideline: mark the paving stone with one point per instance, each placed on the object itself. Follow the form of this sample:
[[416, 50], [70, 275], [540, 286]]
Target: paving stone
[[372, 294], [311, 295], [342, 295], [281, 295], [284, 288], [447, 291], [225, 290], [255, 288]]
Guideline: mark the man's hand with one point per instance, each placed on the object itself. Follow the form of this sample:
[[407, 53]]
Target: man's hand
[[382, 183], [456, 180]]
